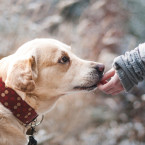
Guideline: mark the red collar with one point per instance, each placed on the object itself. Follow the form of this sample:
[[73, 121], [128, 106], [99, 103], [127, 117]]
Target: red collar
[[20, 109]]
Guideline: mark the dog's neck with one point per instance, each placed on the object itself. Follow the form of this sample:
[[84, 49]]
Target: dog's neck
[[39, 104], [12, 101]]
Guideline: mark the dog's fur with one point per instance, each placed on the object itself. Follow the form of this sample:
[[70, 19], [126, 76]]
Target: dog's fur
[[41, 71]]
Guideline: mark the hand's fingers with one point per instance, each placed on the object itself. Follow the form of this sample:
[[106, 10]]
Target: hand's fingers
[[105, 87], [108, 90], [103, 82], [117, 92], [113, 91], [108, 74], [110, 84]]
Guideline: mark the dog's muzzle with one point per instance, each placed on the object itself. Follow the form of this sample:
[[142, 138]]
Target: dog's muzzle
[[96, 76], [100, 70]]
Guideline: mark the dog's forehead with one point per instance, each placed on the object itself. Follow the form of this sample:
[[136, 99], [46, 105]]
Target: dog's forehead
[[44, 43], [50, 50], [44, 49], [53, 47]]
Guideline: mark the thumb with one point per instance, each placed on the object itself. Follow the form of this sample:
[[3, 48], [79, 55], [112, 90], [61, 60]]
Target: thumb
[[108, 74]]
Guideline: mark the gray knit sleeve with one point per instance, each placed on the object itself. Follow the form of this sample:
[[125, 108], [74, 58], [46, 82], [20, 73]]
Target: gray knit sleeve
[[131, 67]]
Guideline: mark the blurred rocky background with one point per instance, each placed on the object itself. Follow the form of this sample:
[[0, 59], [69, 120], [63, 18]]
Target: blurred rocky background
[[97, 30]]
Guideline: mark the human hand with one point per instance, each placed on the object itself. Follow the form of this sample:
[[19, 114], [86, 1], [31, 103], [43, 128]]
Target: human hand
[[112, 86]]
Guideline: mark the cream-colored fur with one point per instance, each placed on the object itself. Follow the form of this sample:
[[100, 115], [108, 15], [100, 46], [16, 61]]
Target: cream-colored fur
[[41, 71]]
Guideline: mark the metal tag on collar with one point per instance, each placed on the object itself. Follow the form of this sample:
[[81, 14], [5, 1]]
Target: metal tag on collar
[[32, 141], [32, 130]]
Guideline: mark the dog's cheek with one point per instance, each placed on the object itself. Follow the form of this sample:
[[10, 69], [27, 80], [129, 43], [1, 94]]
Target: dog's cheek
[[26, 86]]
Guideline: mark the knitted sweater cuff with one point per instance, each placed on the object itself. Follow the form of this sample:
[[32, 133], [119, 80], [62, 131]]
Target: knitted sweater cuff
[[130, 69], [125, 81]]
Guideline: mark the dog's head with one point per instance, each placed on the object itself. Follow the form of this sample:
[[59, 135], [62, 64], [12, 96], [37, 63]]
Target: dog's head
[[48, 67]]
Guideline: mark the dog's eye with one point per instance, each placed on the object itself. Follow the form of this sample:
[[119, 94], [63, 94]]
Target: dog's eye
[[64, 59]]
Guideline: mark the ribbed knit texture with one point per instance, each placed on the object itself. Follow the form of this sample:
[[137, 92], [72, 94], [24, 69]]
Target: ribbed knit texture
[[130, 68]]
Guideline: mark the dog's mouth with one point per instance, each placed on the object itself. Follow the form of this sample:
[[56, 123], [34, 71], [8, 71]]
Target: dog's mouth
[[87, 88]]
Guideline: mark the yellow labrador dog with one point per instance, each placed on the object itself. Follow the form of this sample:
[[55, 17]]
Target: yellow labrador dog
[[36, 76]]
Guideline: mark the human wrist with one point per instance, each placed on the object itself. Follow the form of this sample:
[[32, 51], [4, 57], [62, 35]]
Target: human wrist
[[123, 77]]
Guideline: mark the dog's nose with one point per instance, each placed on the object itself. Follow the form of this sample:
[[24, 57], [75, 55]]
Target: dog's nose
[[100, 68]]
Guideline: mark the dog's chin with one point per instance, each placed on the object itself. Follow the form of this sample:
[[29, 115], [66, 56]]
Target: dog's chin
[[87, 88]]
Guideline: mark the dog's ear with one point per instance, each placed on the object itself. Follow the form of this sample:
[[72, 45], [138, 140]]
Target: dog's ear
[[22, 74]]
